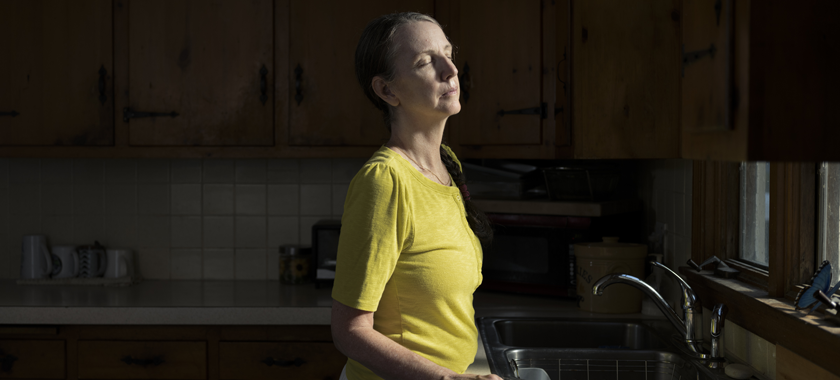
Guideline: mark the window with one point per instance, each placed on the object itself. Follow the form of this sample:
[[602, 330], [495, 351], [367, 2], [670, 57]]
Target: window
[[828, 244], [755, 213]]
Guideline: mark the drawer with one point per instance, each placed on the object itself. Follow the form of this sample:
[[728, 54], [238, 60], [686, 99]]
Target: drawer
[[102, 359], [27, 359], [280, 360]]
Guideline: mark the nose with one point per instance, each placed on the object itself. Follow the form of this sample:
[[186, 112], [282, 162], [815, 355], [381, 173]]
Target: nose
[[449, 70]]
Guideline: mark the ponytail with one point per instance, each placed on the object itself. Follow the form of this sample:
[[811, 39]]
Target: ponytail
[[475, 217]]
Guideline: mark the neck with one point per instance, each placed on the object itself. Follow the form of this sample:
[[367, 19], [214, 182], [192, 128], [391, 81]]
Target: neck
[[420, 140]]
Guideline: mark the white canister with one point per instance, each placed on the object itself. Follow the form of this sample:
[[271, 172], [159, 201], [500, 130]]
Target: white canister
[[596, 260], [35, 261]]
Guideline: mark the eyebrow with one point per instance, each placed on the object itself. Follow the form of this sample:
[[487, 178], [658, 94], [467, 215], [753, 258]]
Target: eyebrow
[[432, 51]]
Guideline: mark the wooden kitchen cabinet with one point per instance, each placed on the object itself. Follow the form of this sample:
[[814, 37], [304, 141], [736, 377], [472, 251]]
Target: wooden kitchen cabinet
[[327, 107], [31, 359], [625, 79], [768, 91], [169, 352], [205, 68], [56, 85], [588, 79]]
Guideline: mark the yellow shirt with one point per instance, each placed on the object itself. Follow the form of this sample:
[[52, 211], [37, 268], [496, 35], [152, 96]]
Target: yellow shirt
[[407, 253]]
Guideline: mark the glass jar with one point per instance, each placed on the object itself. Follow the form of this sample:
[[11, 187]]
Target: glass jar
[[295, 264]]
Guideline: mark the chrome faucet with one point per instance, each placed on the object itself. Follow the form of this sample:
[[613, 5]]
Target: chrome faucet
[[692, 310]]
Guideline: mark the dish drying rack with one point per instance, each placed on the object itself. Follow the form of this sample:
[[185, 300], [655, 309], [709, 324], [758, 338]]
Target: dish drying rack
[[597, 369]]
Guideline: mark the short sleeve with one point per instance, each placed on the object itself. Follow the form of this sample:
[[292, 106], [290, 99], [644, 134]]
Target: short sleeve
[[375, 228]]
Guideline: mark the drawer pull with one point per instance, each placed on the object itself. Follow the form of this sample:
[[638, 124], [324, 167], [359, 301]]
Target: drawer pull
[[297, 362], [153, 362], [7, 361]]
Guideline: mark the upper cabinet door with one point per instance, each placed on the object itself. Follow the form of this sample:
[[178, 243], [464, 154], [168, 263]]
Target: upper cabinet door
[[500, 71], [55, 72], [625, 79], [200, 73], [326, 104]]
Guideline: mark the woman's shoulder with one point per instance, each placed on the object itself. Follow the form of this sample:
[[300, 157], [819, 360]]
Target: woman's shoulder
[[380, 168]]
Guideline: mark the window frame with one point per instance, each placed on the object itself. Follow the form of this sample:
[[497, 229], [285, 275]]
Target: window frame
[[758, 301]]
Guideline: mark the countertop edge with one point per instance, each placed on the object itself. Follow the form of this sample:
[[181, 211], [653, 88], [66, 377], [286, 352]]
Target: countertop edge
[[165, 315]]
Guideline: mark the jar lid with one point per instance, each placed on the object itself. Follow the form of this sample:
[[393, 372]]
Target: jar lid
[[610, 248]]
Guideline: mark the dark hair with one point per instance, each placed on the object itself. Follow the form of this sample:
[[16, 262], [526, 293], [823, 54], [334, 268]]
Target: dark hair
[[375, 57]]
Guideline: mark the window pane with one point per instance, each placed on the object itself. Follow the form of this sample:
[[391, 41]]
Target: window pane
[[829, 209], [755, 212]]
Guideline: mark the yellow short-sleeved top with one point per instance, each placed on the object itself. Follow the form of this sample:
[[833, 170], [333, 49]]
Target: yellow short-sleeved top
[[407, 253]]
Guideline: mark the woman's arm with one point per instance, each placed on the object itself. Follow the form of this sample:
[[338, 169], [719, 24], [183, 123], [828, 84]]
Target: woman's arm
[[354, 336]]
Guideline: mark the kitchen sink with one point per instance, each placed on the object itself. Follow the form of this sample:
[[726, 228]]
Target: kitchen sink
[[592, 349], [577, 334]]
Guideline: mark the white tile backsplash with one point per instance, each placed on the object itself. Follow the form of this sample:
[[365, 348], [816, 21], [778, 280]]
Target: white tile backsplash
[[250, 231], [184, 218], [219, 171], [218, 199], [283, 171], [152, 171], [218, 264], [24, 170], [218, 232], [250, 199], [317, 170], [250, 264], [315, 199], [186, 232], [56, 171], [186, 199], [185, 171], [119, 170], [250, 171], [283, 199]]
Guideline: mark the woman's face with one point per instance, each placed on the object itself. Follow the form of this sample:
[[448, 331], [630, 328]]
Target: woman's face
[[426, 80]]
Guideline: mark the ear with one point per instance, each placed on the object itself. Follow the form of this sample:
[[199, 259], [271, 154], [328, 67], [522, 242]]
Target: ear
[[383, 90]]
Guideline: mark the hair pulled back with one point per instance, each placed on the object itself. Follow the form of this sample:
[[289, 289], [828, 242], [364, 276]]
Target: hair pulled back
[[375, 55]]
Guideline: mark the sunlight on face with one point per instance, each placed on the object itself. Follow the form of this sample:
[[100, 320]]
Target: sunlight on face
[[426, 80]]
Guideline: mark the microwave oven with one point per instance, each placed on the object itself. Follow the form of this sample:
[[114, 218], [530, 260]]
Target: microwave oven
[[534, 254]]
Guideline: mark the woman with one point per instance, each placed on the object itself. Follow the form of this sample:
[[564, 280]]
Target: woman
[[410, 253]]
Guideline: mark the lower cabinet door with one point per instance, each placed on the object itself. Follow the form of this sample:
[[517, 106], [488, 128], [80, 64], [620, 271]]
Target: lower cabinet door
[[142, 360], [32, 359], [280, 360]]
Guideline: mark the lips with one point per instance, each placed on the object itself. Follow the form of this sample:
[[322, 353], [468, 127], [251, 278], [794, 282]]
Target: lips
[[452, 91]]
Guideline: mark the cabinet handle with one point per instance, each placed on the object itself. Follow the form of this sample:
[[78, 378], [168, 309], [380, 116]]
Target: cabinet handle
[[153, 362], [298, 89], [694, 56], [263, 73], [102, 74], [541, 111], [466, 83], [7, 361], [129, 114], [12, 114], [297, 362]]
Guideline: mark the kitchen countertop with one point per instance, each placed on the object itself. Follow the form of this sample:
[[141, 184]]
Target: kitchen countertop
[[185, 302]]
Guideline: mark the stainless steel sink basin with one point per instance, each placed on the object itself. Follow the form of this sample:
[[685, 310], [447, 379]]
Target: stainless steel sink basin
[[577, 334], [595, 364], [591, 349]]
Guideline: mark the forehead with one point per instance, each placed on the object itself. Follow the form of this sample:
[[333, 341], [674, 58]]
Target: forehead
[[420, 36]]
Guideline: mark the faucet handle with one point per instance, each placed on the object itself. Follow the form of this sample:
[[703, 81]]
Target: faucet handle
[[718, 318]]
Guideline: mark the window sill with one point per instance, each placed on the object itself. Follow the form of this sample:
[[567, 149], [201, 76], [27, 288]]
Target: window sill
[[773, 319]]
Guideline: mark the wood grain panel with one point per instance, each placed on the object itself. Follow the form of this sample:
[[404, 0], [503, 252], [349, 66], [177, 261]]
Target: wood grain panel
[[202, 60], [32, 359], [49, 73], [500, 43], [142, 360], [333, 110], [279, 360], [790, 366], [707, 79], [625, 68]]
